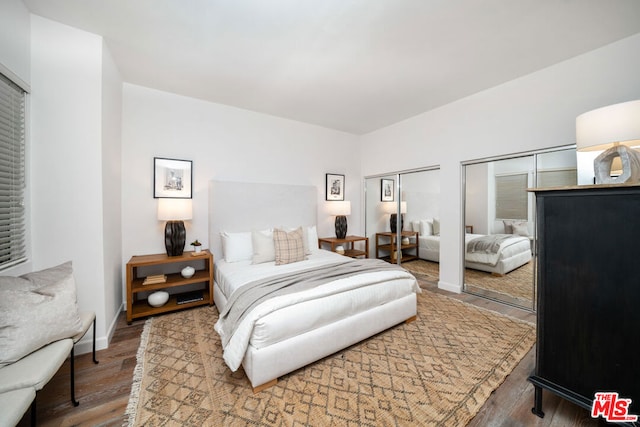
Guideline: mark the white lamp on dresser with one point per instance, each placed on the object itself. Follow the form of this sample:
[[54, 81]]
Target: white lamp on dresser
[[616, 129]]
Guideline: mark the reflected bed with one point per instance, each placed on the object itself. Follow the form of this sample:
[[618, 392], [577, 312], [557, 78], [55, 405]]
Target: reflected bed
[[512, 253]]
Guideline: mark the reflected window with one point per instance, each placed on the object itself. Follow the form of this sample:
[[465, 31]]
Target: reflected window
[[511, 196], [557, 178]]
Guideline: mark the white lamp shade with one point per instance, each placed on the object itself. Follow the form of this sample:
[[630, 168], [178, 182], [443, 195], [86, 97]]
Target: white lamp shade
[[392, 207], [340, 208], [174, 209], [601, 128]]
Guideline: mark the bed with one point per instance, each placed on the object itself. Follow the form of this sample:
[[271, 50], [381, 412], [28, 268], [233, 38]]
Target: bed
[[513, 252], [276, 336]]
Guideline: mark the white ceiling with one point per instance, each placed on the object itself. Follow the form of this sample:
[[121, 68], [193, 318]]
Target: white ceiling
[[352, 65]]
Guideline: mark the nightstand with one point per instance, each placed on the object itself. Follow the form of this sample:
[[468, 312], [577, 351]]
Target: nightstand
[[347, 242], [387, 242], [138, 268]]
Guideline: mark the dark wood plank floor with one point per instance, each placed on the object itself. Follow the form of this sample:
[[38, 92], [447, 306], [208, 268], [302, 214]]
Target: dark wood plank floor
[[103, 389]]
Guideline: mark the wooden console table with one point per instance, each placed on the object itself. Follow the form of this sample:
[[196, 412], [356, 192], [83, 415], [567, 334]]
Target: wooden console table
[[137, 306]]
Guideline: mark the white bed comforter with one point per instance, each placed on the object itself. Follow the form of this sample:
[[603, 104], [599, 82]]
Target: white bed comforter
[[365, 290], [508, 248]]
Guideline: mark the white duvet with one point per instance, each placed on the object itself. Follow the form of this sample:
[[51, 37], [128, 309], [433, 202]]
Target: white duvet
[[280, 317], [510, 247]]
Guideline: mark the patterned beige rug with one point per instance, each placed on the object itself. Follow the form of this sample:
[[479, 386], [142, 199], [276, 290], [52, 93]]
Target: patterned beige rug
[[517, 284], [437, 371]]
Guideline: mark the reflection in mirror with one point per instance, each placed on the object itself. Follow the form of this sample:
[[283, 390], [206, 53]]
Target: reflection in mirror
[[500, 222], [379, 195], [407, 219]]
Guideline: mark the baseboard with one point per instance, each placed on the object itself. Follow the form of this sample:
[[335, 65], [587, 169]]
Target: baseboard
[[449, 287], [85, 345]]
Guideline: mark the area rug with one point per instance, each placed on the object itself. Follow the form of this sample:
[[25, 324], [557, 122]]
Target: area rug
[[517, 284], [436, 371]]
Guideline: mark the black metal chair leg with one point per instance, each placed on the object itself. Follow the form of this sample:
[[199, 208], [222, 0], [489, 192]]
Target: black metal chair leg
[[73, 379], [94, 341], [33, 411]]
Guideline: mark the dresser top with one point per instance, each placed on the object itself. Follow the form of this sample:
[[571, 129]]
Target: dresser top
[[584, 187]]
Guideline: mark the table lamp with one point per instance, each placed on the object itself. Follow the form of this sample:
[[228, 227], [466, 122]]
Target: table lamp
[[340, 210], [174, 211], [615, 129], [393, 218]]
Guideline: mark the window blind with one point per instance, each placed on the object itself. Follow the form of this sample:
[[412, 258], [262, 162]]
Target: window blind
[[511, 196], [557, 177], [12, 174]]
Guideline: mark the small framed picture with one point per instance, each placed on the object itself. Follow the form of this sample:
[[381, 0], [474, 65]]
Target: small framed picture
[[335, 187], [172, 178], [386, 190]]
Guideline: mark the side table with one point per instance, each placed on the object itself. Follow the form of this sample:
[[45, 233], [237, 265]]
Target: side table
[[348, 242], [138, 306], [387, 242]]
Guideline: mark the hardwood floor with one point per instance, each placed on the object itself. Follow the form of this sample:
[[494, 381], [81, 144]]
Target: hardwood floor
[[103, 389]]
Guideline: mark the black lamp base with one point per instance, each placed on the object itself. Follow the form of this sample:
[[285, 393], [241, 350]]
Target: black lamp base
[[392, 222], [341, 226], [174, 237]]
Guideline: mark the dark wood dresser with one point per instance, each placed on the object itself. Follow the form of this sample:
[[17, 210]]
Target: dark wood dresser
[[588, 309]]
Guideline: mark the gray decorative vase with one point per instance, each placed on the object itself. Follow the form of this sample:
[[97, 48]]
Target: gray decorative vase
[[393, 220], [174, 237], [341, 226]]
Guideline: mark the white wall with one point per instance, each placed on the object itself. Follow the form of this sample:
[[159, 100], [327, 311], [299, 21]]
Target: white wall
[[532, 112], [111, 187], [421, 191], [224, 143], [67, 162], [15, 62], [14, 38]]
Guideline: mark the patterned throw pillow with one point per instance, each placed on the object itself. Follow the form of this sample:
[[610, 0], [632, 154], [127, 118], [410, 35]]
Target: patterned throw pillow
[[289, 246]]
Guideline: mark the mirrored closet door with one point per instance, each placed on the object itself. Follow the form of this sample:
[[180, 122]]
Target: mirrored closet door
[[499, 224], [402, 219]]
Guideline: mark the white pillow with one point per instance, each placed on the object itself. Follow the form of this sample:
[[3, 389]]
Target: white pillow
[[37, 309], [511, 224], [415, 226], [436, 226], [237, 246], [426, 228], [520, 229], [263, 248], [312, 235]]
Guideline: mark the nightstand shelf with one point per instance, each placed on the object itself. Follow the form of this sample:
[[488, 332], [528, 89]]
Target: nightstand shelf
[[348, 241], [387, 242], [137, 305]]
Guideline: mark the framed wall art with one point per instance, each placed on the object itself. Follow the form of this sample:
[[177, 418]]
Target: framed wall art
[[386, 190], [335, 187], [172, 178]]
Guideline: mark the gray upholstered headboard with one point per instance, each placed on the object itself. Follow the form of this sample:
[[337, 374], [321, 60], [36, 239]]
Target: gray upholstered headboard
[[242, 206]]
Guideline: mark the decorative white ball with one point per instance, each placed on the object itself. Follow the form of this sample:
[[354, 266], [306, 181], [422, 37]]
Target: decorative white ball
[[188, 271], [340, 249], [158, 299]]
